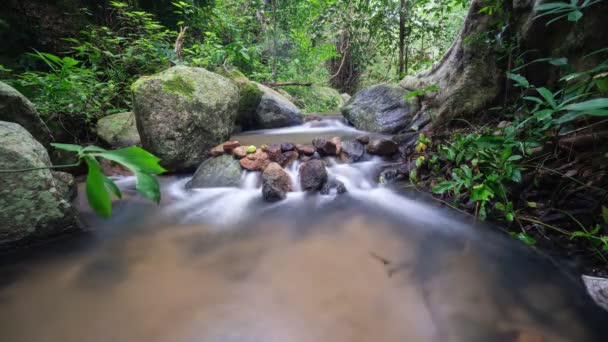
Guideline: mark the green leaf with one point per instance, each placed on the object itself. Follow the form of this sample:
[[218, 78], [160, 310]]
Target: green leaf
[[548, 96], [481, 193], [68, 147], [605, 214], [575, 15], [525, 238], [509, 216], [588, 105], [499, 206], [519, 79], [111, 186], [134, 158], [443, 187], [147, 186], [98, 197]]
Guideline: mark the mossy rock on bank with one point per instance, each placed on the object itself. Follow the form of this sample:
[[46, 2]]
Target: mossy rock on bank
[[34, 205], [316, 98], [183, 112], [118, 130], [250, 97]]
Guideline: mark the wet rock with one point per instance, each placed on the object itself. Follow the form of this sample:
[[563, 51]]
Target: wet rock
[[287, 158], [274, 110], [239, 152], [274, 152], [217, 151], [331, 185], [381, 108], [364, 139], [313, 175], [183, 112], [338, 142], [35, 205], [229, 146], [257, 161], [312, 117], [286, 147], [275, 183], [222, 171], [14, 107], [306, 150], [304, 159], [382, 147], [119, 130], [325, 147], [352, 151]]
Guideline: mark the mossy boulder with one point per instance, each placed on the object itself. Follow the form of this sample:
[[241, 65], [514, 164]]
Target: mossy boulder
[[250, 97], [316, 98], [381, 108], [182, 112], [34, 205], [14, 107], [222, 171], [119, 130]]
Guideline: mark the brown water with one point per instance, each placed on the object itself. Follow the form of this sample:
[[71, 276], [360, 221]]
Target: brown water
[[221, 265]]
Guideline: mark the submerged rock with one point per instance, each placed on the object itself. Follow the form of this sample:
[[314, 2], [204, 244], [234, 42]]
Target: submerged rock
[[119, 130], [306, 150], [275, 183], [222, 171], [257, 161], [182, 112], [14, 107], [381, 108], [275, 110], [352, 151], [287, 158], [34, 205], [364, 139], [333, 185], [325, 147], [382, 147], [313, 175]]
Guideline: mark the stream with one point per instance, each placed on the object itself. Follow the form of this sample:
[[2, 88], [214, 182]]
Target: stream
[[220, 264]]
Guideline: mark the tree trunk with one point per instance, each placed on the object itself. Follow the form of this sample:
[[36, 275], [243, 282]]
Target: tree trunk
[[402, 13], [274, 34], [470, 76]]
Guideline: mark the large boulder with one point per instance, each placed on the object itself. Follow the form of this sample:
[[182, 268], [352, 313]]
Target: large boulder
[[313, 175], [275, 110], [250, 97], [275, 183], [381, 108], [34, 205], [119, 130], [183, 112], [15, 107], [222, 171], [316, 98]]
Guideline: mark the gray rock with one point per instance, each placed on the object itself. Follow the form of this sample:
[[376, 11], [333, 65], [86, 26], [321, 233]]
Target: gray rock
[[34, 205], [325, 147], [352, 151], [222, 171], [183, 112], [382, 147], [14, 107], [331, 185], [275, 183], [119, 130], [313, 175], [275, 110], [381, 108]]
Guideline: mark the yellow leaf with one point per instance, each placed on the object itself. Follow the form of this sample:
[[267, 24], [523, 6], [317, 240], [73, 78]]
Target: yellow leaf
[[421, 147]]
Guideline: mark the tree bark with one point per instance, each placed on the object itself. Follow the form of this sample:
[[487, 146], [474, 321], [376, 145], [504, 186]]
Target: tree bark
[[274, 34], [402, 14]]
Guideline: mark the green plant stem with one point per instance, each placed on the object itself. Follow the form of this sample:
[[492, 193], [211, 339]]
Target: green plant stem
[[42, 168], [528, 219], [563, 175]]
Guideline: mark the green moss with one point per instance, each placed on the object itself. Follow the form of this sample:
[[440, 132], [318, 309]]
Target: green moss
[[315, 99], [179, 85]]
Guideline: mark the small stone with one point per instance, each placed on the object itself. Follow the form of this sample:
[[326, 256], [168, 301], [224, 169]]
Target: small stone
[[274, 152], [264, 147], [240, 152], [382, 147], [217, 151], [287, 158], [306, 150], [313, 175], [338, 142], [275, 183], [304, 159], [286, 147], [255, 161], [251, 149], [229, 146], [325, 147], [364, 139]]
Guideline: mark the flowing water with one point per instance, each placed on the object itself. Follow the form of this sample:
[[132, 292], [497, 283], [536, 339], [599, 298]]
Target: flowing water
[[219, 264]]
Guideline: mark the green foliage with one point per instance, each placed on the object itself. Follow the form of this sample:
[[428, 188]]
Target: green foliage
[[143, 165], [571, 11], [421, 92]]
